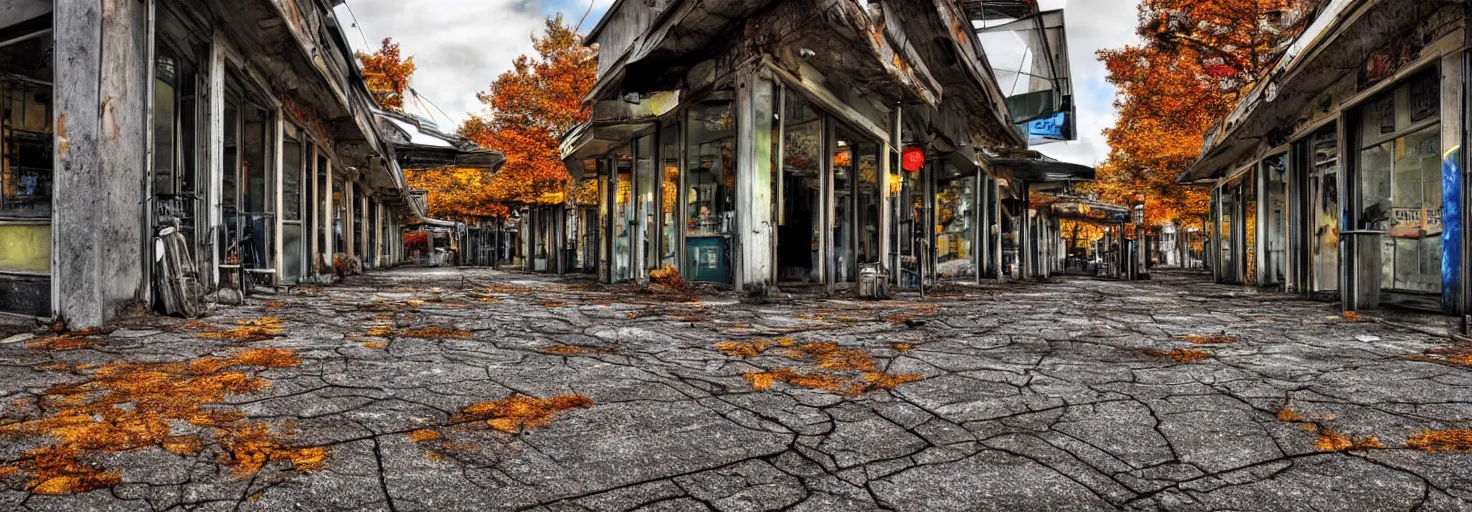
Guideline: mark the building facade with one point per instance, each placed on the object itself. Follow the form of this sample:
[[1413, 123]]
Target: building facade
[[1339, 176], [243, 124], [754, 144]]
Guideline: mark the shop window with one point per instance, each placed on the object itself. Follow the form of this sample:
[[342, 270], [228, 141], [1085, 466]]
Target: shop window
[[1400, 183], [710, 196], [624, 218], [799, 233], [669, 141], [292, 163], [648, 216], [955, 219]]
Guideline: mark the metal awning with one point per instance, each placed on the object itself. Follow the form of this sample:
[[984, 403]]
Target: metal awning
[[418, 144], [1038, 170], [1091, 211]]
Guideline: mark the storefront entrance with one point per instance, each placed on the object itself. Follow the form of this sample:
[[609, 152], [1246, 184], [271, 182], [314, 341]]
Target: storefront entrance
[[1399, 190]]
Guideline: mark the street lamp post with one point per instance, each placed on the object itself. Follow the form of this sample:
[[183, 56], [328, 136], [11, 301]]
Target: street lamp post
[[1139, 217]]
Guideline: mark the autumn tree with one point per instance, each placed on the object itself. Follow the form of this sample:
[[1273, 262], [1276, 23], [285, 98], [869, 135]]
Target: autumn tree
[[387, 74], [529, 109], [1197, 59]]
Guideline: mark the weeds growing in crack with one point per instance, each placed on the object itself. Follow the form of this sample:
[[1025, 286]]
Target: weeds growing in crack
[[1459, 356], [384, 306], [1441, 441], [506, 417], [245, 331], [845, 371], [1209, 339], [1329, 440], [132, 406], [66, 341], [1180, 355], [920, 311], [419, 332], [574, 350]]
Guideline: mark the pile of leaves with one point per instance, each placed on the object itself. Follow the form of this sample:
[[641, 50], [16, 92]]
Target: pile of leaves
[[849, 372], [133, 406], [245, 331], [1180, 355]]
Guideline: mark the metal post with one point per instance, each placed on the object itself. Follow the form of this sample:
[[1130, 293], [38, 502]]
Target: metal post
[[888, 209]]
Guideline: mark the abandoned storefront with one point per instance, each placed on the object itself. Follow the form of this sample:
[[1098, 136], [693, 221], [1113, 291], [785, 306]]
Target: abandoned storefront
[[1339, 177], [807, 162], [255, 137]]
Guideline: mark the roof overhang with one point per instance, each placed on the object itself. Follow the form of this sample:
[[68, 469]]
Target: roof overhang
[[418, 145], [1336, 44], [1038, 170]]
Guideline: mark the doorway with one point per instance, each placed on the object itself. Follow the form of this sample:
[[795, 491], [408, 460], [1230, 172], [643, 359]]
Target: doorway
[[800, 207]]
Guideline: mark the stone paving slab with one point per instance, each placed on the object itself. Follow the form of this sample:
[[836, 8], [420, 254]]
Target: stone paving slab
[[433, 389]]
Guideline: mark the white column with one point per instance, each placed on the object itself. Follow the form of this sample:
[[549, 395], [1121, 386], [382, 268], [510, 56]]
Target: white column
[[754, 105], [277, 258]]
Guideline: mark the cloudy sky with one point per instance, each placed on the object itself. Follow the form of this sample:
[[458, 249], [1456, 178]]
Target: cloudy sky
[[460, 46]]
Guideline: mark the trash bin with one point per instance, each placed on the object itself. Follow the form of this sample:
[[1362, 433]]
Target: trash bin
[[873, 282]]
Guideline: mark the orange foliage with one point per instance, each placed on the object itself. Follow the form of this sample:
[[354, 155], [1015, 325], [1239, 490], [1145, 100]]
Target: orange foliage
[[1441, 441], [530, 108], [129, 406], [520, 412], [1180, 355], [387, 74], [1198, 58]]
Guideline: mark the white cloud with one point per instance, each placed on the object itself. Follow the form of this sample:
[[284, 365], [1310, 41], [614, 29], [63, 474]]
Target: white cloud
[[459, 46], [1092, 25]]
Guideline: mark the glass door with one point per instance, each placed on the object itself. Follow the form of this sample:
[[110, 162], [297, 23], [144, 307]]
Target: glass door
[[1275, 223], [1324, 187], [1400, 188], [624, 218], [710, 181], [799, 220], [293, 174]]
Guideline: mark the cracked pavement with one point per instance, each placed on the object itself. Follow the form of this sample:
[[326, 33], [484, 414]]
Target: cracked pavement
[[1035, 396]]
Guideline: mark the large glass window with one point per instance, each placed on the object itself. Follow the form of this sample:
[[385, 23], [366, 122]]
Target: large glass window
[[669, 140], [1400, 183], [799, 233], [1324, 187], [1275, 226], [955, 219], [623, 216], [648, 216], [710, 196], [292, 251]]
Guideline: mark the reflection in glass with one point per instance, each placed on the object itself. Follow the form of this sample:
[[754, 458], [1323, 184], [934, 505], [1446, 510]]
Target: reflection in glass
[[955, 218], [799, 234], [710, 181]]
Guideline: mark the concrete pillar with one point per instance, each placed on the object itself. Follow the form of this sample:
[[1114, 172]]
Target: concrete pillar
[[995, 204], [755, 233], [101, 112]]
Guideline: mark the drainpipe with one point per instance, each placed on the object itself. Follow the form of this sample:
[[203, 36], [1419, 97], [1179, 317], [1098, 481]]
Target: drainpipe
[[145, 288]]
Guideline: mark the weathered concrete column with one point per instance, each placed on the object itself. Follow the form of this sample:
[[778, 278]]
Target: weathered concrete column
[[754, 226], [100, 119]]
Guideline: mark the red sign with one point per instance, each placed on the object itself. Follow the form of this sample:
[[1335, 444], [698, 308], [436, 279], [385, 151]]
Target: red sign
[[914, 159]]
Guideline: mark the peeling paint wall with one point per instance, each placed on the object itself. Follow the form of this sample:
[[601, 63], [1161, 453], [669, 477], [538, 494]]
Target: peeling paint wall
[[101, 64]]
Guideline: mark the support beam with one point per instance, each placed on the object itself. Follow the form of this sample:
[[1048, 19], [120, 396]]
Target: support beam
[[754, 110]]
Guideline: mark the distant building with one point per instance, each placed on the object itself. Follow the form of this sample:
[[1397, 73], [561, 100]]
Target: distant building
[[756, 144]]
